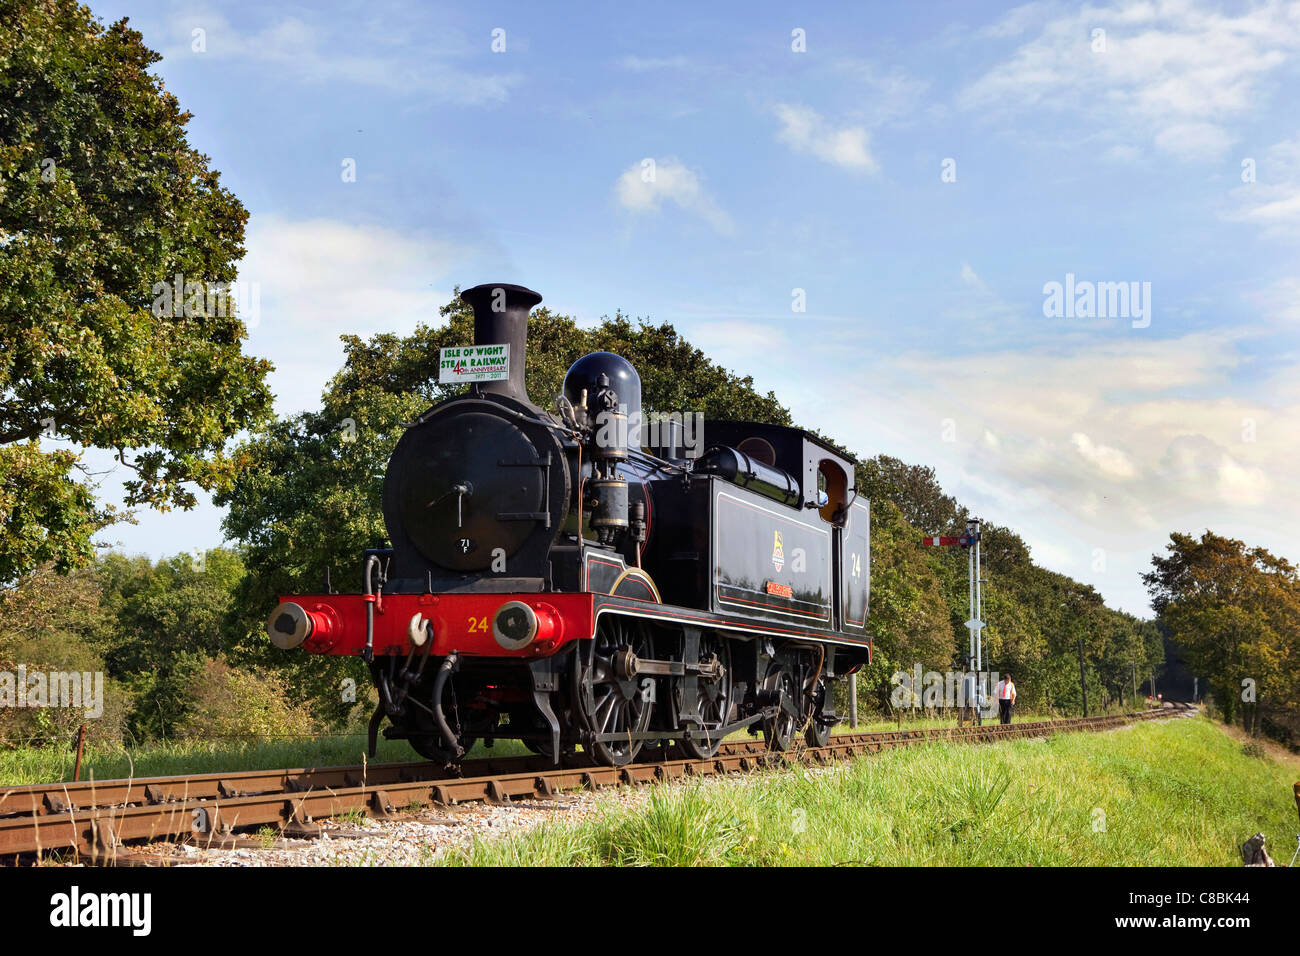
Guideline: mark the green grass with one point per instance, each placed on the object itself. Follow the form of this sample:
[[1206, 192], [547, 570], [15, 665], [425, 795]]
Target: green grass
[[268, 836], [53, 764], [355, 817], [1174, 793], [919, 720]]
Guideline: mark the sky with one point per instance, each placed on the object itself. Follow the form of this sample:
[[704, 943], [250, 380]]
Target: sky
[[879, 211]]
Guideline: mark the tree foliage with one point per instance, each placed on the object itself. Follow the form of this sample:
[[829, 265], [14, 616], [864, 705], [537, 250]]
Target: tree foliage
[[232, 702], [54, 622], [157, 631], [915, 491], [1234, 612], [102, 203]]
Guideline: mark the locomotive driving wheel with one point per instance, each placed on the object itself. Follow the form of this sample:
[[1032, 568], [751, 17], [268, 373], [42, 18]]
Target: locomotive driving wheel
[[608, 698], [779, 732], [714, 698], [818, 734]]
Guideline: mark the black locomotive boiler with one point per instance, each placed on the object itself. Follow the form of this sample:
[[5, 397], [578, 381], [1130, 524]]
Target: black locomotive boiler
[[550, 579]]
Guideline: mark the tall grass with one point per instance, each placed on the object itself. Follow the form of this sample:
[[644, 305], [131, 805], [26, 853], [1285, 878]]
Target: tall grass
[[1155, 794]]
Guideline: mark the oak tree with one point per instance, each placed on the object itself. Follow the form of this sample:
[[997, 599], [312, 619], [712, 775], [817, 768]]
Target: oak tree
[[118, 245]]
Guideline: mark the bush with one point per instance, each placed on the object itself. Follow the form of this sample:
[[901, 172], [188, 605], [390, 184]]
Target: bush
[[227, 702], [64, 654], [1252, 749], [48, 624]]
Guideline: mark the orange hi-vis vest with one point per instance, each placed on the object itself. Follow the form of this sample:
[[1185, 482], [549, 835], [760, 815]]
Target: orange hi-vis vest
[[1005, 690]]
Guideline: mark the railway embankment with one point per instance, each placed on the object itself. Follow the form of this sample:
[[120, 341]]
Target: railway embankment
[[1177, 792]]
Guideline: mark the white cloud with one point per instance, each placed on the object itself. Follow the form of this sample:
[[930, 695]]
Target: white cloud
[[743, 341], [880, 95], [1196, 462], [323, 272], [647, 184], [321, 278], [1275, 212], [1096, 442], [1194, 139], [805, 131], [1111, 462], [1014, 22], [1240, 484], [1174, 70], [1181, 455], [1124, 153], [308, 53], [971, 278], [1272, 202], [1281, 301]]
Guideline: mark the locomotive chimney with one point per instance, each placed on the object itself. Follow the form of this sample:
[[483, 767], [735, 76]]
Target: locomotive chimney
[[501, 318]]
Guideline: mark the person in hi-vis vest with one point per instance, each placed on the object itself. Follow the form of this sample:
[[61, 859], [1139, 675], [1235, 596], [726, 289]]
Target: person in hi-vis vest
[[1006, 694]]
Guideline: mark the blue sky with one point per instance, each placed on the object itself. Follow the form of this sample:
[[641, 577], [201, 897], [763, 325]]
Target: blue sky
[[1164, 149]]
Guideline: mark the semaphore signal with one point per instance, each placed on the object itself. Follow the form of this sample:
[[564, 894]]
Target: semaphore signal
[[975, 651]]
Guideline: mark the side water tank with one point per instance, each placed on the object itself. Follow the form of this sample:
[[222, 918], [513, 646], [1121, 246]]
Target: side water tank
[[747, 472]]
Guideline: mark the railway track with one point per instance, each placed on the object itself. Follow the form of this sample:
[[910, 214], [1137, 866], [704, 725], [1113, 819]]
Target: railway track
[[99, 818]]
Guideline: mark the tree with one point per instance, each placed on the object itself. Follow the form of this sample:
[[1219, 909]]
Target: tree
[[117, 243], [53, 622], [241, 703], [909, 622], [916, 492], [163, 623], [1234, 611], [677, 377]]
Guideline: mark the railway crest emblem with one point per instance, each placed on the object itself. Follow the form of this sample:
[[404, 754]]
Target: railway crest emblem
[[778, 551]]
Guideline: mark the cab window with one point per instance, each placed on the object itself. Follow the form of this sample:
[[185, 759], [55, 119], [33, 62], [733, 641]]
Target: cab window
[[834, 484]]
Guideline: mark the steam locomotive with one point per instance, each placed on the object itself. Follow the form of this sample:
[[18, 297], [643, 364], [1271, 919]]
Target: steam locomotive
[[551, 580]]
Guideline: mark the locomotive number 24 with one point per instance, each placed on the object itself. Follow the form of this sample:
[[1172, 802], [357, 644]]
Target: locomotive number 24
[[856, 566], [478, 625]]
